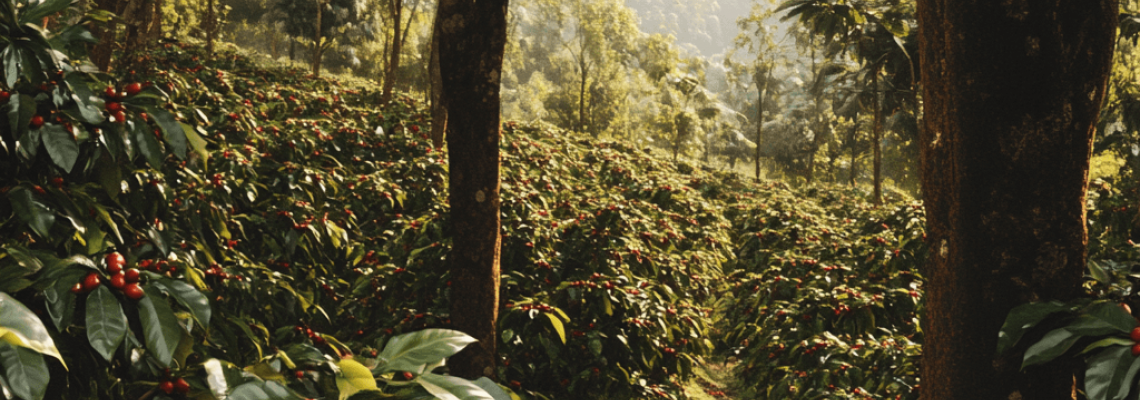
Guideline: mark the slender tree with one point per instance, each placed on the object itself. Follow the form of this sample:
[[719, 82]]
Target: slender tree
[[877, 138], [438, 111], [210, 25], [473, 35], [762, 77], [317, 36], [1012, 91], [851, 143], [396, 7]]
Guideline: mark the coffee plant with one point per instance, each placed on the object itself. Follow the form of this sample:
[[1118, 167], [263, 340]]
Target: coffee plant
[[213, 226], [824, 296]]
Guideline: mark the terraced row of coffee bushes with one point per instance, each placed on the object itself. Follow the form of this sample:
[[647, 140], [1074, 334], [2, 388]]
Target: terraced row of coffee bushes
[[824, 295], [285, 223]]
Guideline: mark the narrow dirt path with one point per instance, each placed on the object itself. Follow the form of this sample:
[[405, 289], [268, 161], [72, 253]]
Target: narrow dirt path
[[712, 381]]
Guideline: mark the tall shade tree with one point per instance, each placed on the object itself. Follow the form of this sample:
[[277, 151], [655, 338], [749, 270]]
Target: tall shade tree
[[473, 35], [326, 23], [758, 37], [874, 34], [599, 36], [1012, 91]]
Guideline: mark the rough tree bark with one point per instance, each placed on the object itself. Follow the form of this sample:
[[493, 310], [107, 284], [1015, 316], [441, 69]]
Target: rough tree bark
[[138, 16], [106, 33], [472, 39], [397, 45], [877, 140], [438, 110], [1012, 90]]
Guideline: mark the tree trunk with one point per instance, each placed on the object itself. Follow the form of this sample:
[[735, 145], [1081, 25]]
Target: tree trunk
[[438, 110], [292, 49], [155, 31], [854, 135], [139, 16], [759, 135], [877, 141], [473, 35], [763, 86], [582, 95], [273, 35], [397, 45], [101, 52], [816, 141], [1012, 92], [818, 114], [211, 23], [676, 140], [316, 62]]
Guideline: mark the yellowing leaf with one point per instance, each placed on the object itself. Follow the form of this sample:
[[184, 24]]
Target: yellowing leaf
[[265, 371], [353, 377], [557, 323]]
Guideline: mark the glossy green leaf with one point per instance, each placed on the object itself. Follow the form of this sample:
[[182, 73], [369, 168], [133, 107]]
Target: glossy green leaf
[[34, 213], [106, 323], [59, 298], [1129, 379], [62, 148], [172, 131], [1055, 343], [492, 388], [188, 297], [263, 390], [413, 351], [1023, 317], [1106, 371], [1112, 313], [19, 326], [26, 371], [88, 105], [24, 259], [196, 142], [452, 388], [160, 326], [11, 68], [1109, 341], [147, 144]]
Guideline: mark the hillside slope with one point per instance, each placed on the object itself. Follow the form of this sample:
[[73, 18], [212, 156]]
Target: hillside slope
[[313, 222]]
